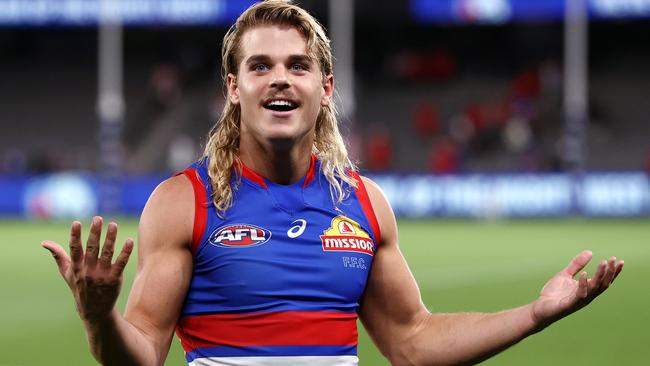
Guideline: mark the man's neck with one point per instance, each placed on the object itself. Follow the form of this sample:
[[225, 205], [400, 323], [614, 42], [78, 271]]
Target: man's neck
[[282, 166]]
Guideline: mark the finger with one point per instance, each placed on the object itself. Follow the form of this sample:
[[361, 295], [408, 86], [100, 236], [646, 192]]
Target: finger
[[578, 263], [92, 244], [583, 286], [109, 246], [123, 258], [596, 282], [619, 268], [59, 254], [611, 271], [76, 248]]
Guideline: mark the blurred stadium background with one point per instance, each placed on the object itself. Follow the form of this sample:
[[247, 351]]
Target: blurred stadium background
[[507, 134]]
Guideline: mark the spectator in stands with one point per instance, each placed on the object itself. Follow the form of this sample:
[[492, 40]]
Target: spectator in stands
[[439, 65], [379, 149], [488, 120], [444, 157], [426, 121]]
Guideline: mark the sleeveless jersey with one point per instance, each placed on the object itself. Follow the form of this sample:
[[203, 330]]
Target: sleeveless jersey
[[278, 280]]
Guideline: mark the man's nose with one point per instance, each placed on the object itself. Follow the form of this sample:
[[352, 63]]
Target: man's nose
[[280, 78]]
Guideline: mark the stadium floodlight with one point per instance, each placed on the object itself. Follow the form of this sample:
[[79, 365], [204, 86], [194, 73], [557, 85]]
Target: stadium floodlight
[[341, 15], [575, 84], [110, 106]]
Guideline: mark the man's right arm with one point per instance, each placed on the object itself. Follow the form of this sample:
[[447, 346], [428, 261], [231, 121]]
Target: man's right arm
[[141, 336], [406, 332]]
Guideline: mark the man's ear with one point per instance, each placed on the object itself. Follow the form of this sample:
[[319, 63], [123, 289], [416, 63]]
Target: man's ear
[[233, 91], [328, 90]]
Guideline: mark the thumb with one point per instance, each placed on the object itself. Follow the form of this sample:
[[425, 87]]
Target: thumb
[[578, 263], [60, 256]]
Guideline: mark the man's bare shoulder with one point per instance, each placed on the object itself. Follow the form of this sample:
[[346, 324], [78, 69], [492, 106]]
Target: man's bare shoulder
[[383, 211], [168, 216], [376, 194], [173, 197], [173, 187]]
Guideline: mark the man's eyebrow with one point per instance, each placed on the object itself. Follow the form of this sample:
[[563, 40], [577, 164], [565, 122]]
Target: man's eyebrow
[[254, 59], [301, 58]]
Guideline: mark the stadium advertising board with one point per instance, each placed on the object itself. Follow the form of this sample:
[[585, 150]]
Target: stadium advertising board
[[416, 195], [130, 12], [518, 195], [503, 11], [214, 12]]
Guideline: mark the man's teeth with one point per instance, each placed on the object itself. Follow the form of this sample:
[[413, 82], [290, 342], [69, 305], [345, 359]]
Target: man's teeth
[[280, 103]]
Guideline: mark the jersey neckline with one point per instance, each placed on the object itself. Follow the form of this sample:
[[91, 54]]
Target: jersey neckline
[[263, 182]]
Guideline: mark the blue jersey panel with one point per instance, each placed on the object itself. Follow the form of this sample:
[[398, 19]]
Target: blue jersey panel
[[280, 275], [287, 270]]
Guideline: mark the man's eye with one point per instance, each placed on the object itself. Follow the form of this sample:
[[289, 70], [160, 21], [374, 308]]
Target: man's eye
[[298, 67], [260, 67]]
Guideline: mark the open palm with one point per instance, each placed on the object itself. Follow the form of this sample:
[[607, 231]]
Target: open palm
[[94, 280], [563, 295]]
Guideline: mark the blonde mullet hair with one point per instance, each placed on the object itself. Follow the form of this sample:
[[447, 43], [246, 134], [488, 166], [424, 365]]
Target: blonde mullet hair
[[222, 148]]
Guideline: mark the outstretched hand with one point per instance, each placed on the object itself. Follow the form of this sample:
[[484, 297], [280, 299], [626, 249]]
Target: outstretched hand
[[563, 295], [94, 280]]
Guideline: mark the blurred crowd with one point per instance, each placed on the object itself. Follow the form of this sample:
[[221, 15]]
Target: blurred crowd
[[458, 103], [515, 122]]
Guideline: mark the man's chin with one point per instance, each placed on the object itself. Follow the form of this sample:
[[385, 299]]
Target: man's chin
[[282, 131]]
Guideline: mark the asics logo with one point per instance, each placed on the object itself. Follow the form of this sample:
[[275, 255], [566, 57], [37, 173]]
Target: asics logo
[[297, 229]]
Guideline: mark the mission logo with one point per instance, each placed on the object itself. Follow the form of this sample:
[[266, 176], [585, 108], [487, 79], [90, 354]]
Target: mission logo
[[346, 235], [239, 236]]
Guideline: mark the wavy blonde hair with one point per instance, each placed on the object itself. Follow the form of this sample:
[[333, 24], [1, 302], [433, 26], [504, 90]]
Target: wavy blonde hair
[[222, 148]]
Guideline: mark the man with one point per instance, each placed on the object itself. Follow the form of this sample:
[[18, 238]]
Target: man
[[266, 250]]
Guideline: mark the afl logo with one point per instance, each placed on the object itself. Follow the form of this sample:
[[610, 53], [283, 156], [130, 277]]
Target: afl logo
[[239, 236]]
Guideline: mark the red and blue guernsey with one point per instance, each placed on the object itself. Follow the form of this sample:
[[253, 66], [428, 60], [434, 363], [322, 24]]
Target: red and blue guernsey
[[277, 281]]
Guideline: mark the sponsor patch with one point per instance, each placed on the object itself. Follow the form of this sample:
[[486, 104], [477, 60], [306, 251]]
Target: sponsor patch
[[346, 235], [239, 236]]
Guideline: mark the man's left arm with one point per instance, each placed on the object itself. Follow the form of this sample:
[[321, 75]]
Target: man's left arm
[[408, 334]]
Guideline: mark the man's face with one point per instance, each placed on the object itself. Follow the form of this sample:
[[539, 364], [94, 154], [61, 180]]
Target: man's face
[[279, 88]]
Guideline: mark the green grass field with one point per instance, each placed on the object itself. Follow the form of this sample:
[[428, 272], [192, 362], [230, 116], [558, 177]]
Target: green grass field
[[459, 265]]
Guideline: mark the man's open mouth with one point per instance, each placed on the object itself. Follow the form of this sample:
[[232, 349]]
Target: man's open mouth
[[280, 105]]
